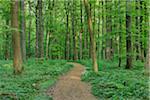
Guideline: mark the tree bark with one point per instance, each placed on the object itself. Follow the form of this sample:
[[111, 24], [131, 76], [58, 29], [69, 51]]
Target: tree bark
[[98, 30], [128, 36], [103, 29], [75, 54], [17, 61], [67, 41], [7, 55], [23, 34], [120, 37], [39, 31], [137, 31], [92, 40], [29, 33], [141, 32], [147, 70], [108, 30], [81, 31]]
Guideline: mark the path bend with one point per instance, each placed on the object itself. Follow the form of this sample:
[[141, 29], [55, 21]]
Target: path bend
[[70, 86]]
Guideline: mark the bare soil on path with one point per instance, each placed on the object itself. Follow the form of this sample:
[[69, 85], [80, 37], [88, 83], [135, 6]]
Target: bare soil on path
[[70, 86]]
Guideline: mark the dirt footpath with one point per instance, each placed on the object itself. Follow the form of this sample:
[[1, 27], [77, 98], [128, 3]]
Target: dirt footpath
[[70, 86]]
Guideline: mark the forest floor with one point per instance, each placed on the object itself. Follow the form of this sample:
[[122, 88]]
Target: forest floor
[[70, 86]]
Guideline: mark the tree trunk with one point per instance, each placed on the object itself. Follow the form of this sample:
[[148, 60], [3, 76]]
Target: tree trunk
[[17, 61], [75, 54], [92, 40], [47, 45], [39, 31], [7, 55], [103, 30], [98, 30], [81, 31], [147, 70], [137, 31], [85, 39], [141, 33], [128, 36], [108, 30], [67, 41], [29, 33], [23, 34], [120, 37], [146, 28]]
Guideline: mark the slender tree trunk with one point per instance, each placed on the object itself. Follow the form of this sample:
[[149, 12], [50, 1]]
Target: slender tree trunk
[[137, 30], [29, 33], [47, 45], [141, 33], [67, 42], [89, 46], [85, 39], [39, 31], [92, 40], [75, 54], [146, 28], [147, 70], [7, 55], [98, 27], [103, 30], [108, 30], [128, 36], [48, 30], [120, 36], [17, 61], [23, 34], [81, 30]]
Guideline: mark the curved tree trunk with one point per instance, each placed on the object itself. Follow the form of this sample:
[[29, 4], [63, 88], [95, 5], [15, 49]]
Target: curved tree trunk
[[92, 40]]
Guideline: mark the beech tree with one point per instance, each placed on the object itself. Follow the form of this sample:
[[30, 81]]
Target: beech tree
[[118, 30], [67, 41], [74, 32], [6, 53], [128, 35], [148, 50], [108, 30], [29, 32], [23, 33], [17, 59], [39, 31], [120, 37], [92, 38]]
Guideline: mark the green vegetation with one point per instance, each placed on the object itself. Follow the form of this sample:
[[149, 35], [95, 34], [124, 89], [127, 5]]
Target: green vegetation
[[116, 83], [33, 82], [114, 34]]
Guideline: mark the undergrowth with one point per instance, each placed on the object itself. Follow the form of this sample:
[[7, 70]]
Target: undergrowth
[[114, 83], [32, 84]]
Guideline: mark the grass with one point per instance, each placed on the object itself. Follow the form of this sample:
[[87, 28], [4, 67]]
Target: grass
[[33, 82], [114, 83]]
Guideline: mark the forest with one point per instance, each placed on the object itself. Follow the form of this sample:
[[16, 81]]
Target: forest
[[74, 50]]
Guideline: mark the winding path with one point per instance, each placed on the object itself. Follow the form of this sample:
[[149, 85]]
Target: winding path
[[70, 86]]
